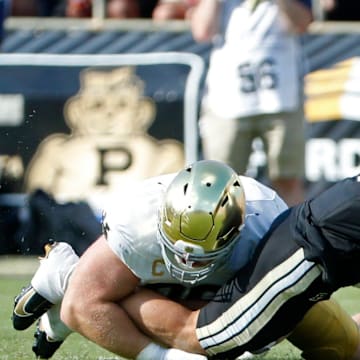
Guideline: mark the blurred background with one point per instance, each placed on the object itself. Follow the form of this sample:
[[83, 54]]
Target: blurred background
[[97, 94]]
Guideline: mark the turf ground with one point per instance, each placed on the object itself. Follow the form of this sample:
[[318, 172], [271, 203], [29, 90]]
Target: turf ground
[[16, 345]]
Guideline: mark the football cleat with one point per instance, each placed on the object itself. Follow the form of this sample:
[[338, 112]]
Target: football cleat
[[29, 305], [44, 347]]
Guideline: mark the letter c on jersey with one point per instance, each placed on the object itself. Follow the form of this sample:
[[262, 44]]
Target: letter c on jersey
[[158, 267]]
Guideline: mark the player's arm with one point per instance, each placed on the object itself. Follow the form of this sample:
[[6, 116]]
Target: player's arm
[[164, 320], [205, 20], [90, 305]]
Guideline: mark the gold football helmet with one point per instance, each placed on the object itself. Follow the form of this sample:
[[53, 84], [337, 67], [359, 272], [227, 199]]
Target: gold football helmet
[[202, 215]]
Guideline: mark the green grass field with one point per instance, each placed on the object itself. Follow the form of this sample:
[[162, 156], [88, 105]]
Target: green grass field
[[17, 344]]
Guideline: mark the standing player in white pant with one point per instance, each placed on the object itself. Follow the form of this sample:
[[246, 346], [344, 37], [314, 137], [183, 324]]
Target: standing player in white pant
[[254, 86]]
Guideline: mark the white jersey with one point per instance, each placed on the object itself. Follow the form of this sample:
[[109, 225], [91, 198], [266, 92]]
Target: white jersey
[[132, 221], [255, 64]]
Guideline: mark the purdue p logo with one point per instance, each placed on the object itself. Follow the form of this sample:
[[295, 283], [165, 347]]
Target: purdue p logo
[[109, 145]]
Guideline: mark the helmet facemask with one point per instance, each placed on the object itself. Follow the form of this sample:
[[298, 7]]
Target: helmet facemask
[[201, 217]]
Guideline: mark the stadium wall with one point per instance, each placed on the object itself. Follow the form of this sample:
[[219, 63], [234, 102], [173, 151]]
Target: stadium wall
[[41, 68]]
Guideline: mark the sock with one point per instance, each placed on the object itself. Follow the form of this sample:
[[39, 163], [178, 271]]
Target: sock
[[51, 278], [53, 326]]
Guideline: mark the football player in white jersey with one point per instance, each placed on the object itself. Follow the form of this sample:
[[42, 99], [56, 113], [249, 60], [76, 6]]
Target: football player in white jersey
[[254, 85], [194, 229], [310, 251]]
